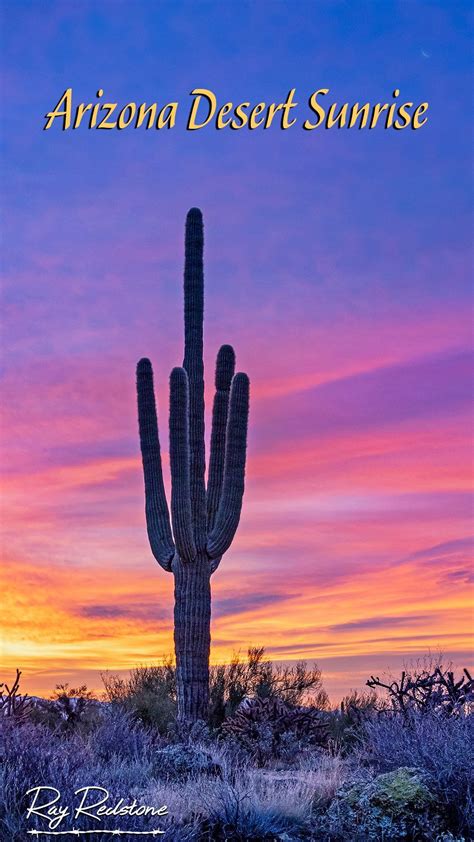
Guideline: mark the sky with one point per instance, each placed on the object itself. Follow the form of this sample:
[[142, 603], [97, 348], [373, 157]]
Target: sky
[[337, 263]]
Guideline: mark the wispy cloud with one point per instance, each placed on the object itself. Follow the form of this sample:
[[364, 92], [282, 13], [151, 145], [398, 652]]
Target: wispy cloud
[[247, 602], [385, 622]]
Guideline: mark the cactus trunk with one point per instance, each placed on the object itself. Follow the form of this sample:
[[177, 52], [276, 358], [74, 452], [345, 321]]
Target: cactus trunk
[[203, 520], [192, 637]]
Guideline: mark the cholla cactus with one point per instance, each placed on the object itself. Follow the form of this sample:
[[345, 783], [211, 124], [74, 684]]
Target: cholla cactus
[[12, 703], [203, 520], [264, 726]]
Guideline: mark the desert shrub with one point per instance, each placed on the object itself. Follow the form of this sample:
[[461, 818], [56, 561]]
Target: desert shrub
[[148, 694], [231, 683], [440, 746], [33, 757], [392, 806], [118, 736], [272, 729], [116, 755], [346, 724], [69, 708], [198, 732]]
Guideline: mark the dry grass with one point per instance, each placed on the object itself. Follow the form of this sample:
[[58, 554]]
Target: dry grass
[[289, 795]]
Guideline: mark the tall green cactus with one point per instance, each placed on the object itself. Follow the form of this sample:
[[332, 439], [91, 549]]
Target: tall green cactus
[[204, 520]]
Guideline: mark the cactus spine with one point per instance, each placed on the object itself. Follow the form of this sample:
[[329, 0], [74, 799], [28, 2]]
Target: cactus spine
[[204, 521]]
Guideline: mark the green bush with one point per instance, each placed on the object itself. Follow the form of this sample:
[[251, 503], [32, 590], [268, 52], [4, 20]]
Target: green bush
[[149, 694]]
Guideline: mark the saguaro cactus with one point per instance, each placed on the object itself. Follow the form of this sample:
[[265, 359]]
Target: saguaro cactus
[[203, 520]]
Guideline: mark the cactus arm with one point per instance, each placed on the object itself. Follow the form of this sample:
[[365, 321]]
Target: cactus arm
[[193, 363], [181, 514], [225, 366], [230, 504], [156, 507]]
